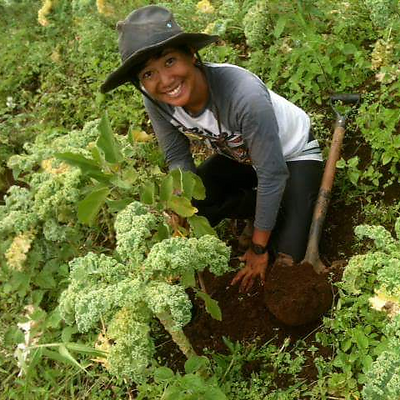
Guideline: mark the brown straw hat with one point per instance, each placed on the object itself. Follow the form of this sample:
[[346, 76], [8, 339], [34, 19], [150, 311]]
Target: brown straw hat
[[145, 31]]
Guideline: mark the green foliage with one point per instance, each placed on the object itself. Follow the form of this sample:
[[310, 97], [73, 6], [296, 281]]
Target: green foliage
[[363, 339], [57, 210], [192, 384], [383, 378], [125, 295]]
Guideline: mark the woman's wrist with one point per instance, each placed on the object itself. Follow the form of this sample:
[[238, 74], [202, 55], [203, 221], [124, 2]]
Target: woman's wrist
[[260, 237]]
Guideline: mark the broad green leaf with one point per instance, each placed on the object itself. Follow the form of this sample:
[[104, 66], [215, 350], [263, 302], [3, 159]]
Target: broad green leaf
[[188, 184], [349, 48], [90, 206], [44, 279], [97, 155], [346, 345], [182, 206], [37, 296], [212, 306], [118, 205], [54, 319], [167, 188], [147, 193], [67, 333], [354, 176], [139, 136], [130, 176], [107, 143], [178, 179], [341, 163], [19, 282], [366, 361], [88, 167], [163, 232], [56, 356], [77, 160], [386, 158], [279, 27], [192, 382], [162, 374], [188, 279], [81, 348], [68, 356], [396, 141], [199, 191], [361, 339], [353, 162], [173, 393], [213, 393], [118, 182], [201, 226], [193, 364]]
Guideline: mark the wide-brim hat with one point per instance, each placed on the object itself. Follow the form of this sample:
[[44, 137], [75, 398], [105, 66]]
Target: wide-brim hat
[[145, 31]]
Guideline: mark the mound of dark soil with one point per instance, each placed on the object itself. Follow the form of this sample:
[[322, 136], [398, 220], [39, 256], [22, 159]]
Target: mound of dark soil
[[295, 294]]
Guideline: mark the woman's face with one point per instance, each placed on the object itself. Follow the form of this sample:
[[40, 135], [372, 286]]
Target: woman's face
[[174, 79]]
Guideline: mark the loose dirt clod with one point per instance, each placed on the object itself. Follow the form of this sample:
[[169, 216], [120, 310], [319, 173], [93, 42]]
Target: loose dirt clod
[[295, 293]]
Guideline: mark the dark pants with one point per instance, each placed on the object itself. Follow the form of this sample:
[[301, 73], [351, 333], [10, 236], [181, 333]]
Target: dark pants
[[230, 193]]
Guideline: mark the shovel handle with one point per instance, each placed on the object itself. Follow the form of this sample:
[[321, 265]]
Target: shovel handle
[[324, 196]]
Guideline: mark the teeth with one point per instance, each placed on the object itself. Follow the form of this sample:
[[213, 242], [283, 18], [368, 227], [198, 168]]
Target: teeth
[[174, 92]]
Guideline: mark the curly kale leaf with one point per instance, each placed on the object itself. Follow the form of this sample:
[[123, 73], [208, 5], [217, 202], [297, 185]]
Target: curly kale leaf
[[16, 215], [133, 226], [47, 144], [172, 299], [99, 286], [214, 254], [172, 258], [383, 379], [383, 240], [256, 24], [133, 348]]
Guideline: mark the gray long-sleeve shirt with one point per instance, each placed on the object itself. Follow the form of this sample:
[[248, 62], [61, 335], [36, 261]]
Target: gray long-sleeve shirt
[[256, 126]]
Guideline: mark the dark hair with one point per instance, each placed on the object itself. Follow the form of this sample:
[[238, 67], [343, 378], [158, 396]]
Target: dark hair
[[183, 48]]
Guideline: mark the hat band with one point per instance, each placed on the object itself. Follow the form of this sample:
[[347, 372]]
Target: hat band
[[151, 42]]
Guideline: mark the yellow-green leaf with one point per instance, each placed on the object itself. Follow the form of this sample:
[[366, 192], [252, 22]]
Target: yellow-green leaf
[[182, 206], [90, 206]]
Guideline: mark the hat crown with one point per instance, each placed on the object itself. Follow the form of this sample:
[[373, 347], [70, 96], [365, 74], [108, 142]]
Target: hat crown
[[145, 28]]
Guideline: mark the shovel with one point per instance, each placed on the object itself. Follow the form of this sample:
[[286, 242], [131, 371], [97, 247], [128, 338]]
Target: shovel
[[297, 294]]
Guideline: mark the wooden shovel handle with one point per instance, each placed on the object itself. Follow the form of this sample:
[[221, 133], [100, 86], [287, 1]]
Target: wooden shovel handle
[[324, 196]]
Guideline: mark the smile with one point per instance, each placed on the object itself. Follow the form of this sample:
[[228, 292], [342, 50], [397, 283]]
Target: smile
[[175, 92]]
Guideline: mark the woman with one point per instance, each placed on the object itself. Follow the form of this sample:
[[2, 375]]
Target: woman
[[267, 165]]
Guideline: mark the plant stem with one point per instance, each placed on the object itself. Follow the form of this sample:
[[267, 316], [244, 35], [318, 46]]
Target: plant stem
[[177, 335], [201, 282]]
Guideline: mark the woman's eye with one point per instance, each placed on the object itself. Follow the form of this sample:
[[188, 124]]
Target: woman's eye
[[170, 61], [146, 75]]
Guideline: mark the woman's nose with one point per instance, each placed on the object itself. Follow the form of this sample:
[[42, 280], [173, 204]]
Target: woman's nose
[[166, 78]]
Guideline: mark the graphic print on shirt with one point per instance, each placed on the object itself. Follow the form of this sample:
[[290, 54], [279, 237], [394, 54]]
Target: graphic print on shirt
[[229, 144]]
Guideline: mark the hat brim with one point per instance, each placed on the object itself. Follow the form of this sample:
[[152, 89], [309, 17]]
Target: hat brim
[[124, 73]]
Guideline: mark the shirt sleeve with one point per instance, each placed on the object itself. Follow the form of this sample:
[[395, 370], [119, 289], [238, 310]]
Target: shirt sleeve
[[258, 125], [174, 144]]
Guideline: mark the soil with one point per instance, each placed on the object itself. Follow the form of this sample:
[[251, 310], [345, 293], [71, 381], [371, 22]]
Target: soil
[[295, 294], [245, 318]]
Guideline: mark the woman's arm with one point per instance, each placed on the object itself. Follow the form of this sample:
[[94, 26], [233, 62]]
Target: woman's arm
[[174, 144]]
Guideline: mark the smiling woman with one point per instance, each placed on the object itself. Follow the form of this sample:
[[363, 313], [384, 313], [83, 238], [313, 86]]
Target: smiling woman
[[173, 78], [267, 165]]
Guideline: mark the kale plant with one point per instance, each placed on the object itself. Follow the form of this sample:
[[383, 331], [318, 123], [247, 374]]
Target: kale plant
[[146, 278]]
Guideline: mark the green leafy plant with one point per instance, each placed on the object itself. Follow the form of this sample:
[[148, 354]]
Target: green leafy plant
[[147, 278], [193, 384]]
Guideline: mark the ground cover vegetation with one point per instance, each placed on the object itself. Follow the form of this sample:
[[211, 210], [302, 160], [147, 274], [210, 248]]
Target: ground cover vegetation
[[105, 264]]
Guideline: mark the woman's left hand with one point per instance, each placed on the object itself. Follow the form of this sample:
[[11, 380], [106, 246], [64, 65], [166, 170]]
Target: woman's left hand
[[256, 266]]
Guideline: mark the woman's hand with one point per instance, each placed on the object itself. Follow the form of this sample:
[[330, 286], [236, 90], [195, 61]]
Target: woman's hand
[[256, 266]]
